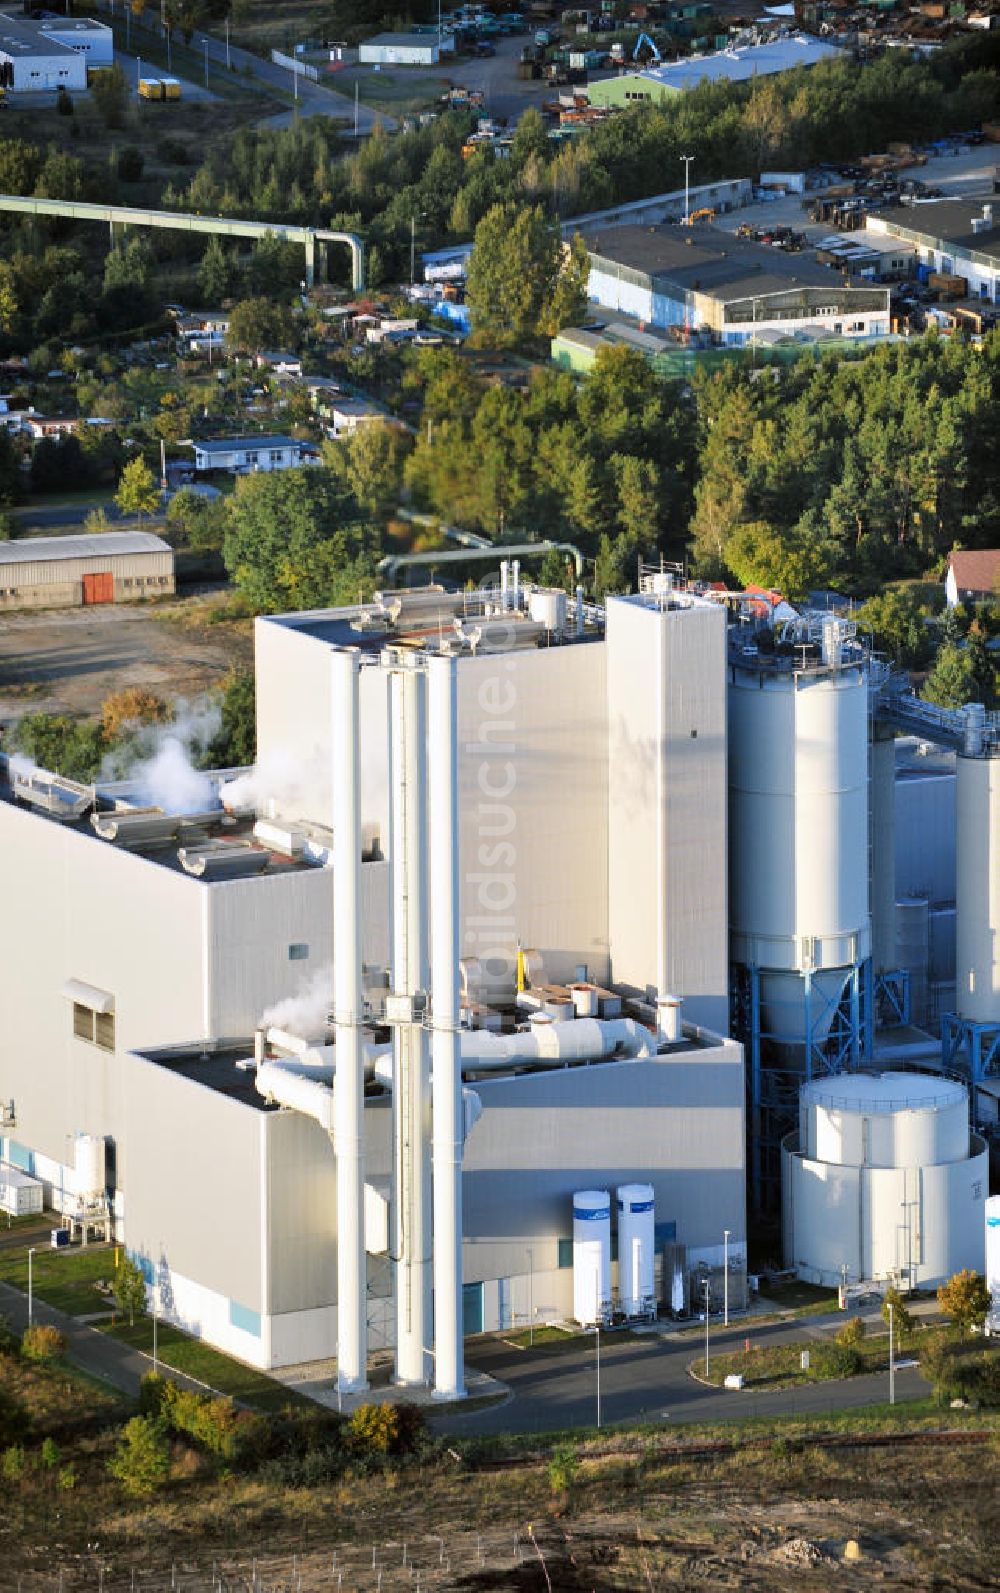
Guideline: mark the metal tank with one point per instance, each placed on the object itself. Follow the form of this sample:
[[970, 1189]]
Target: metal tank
[[636, 1247], [993, 1249], [798, 780], [591, 1255], [977, 979], [883, 1182], [90, 1164]]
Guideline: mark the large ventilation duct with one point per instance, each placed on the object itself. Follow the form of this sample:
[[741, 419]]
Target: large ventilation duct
[[410, 977], [448, 1124], [349, 1098]]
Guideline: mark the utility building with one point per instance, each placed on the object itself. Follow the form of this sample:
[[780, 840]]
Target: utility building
[[59, 572]]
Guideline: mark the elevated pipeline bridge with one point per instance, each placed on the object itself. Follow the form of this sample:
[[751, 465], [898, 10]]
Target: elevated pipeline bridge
[[969, 730], [314, 240]]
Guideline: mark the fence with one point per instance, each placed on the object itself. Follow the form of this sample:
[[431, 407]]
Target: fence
[[291, 63]]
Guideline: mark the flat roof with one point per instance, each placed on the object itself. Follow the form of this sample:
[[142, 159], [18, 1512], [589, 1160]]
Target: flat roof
[[707, 260], [215, 1068], [112, 543], [949, 221], [20, 36], [423, 41], [735, 65]]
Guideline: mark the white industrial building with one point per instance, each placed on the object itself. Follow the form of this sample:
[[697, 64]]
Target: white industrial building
[[406, 49], [378, 1035], [960, 237], [51, 52], [737, 64], [156, 942]]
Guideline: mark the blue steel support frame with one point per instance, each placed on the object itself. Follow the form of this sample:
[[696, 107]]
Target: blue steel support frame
[[892, 997], [837, 1037], [970, 1050]]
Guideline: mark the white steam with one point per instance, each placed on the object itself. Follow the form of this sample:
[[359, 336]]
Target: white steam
[[306, 1012], [279, 776], [159, 760]]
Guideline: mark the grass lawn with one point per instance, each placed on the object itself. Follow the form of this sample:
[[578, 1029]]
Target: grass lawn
[[773, 1366], [63, 1278], [396, 93], [791, 1295], [208, 1365]]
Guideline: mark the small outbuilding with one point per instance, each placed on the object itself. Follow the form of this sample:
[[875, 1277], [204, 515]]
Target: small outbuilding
[[248, 455], [75, 571], [405, 49], [973, 576]]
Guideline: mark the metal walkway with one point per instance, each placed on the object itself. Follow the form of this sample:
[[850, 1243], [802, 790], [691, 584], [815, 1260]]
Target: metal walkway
[[969, 730]]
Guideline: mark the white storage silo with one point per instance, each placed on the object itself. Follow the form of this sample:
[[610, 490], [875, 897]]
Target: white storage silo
[[90, 1165], [977, 925], [591, 1255], [798, 795], [883, 1181], [636, 1246]]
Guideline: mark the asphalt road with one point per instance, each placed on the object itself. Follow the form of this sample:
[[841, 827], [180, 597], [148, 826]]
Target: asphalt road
[[314, 99], [646, 1379]]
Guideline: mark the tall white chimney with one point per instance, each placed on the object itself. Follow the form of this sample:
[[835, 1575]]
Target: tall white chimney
[[410, 975], [349, 1089], [448, 1123]]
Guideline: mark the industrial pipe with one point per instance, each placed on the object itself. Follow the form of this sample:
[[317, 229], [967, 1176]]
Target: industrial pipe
[[349, 1097], [448, 1126], [291, 1088]]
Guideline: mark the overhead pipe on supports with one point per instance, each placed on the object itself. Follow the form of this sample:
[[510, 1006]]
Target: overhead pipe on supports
[[448, 1112], [349, 1097], [410, 977]]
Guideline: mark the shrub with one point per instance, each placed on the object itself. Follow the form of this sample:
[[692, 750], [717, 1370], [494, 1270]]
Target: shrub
[[13, 1463], [902, 1321], [141, 1463], [152, 1389], [375, 1431], [42, 1342], [50, 1454], [562, 1469], [965, 1298], [67, 1478], [844, 1360], [130, 164], [212, 1420], [851, 1334]]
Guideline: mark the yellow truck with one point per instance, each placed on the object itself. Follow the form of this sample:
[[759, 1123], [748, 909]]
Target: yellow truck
[[150, 88]]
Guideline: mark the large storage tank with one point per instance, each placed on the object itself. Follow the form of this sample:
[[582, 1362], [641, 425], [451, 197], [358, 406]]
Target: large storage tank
[[591, 1255], [883, 1180], [993, 1248], [798, 789], [977, 974], [636, 1247], [90, 1164]]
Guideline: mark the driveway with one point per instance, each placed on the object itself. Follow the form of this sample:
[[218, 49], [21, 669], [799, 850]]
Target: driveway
[[645, 1378], [314, 99]]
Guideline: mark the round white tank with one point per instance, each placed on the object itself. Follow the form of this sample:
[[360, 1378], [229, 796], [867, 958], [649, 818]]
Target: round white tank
[[90, 1162], [547, 606], [887, 1120], [636, 1246], [993, 1248], [584, 999], [591, 1255], [977, 869], [883, 1181], [798, 793]]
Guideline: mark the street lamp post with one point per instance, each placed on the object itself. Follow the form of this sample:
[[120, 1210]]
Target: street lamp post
[[228, 61], [531, 1296], [597, 1338], [892, 1367], [413, 248], [206, 62], [707, 1287], [156, 1313], [725, 1277], [31, 1297], [687, 159]]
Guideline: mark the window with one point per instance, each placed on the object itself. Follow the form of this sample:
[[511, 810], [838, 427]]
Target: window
[[298, 951], [98, 1028], [565, 1254]]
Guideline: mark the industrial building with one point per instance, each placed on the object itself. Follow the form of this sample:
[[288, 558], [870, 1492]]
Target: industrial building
[[957, 237], [51, 52], [417, 1003], [698, 280], [64, 572], [572, 920], [735, 65], [406, 49]]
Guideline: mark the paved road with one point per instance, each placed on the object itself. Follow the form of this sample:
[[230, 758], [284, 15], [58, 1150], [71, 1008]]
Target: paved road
[[646, 1379], [315, 99], [113, 1363]]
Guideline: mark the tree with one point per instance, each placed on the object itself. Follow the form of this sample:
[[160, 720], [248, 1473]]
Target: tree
[[898, 619], [236, 743], [73, 747], [110, 95], [215, 273], [256, 324], [129, 1288], [138, 490], [294, 539], [966, 1299], [371, 462], [951, 683], [513, 269], [902, 1320], [129, 265], [141, 1463], [122, 711], [757, 553]]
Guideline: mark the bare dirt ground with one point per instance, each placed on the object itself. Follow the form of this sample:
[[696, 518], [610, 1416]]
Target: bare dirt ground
[[69, 660]]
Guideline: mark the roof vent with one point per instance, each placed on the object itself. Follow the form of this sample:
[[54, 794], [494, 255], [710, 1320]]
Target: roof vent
[[223, 860]]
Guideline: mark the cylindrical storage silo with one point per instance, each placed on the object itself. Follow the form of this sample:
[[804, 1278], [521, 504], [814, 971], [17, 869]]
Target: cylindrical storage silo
[[591, 1255], [884, 1181], [977, 867], [636, 1247], [993, 1248], [798, 790], [90, 1162], [547, 606]]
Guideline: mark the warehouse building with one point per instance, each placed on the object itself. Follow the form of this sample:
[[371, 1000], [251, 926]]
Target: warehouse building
[[703, 281], [957, 237], [31, 61], [65, 572], [738, 65], [406, 49], [93, 40]]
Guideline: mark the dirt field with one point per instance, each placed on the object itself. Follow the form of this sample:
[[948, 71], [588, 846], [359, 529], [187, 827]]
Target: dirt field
[[68, 661]]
